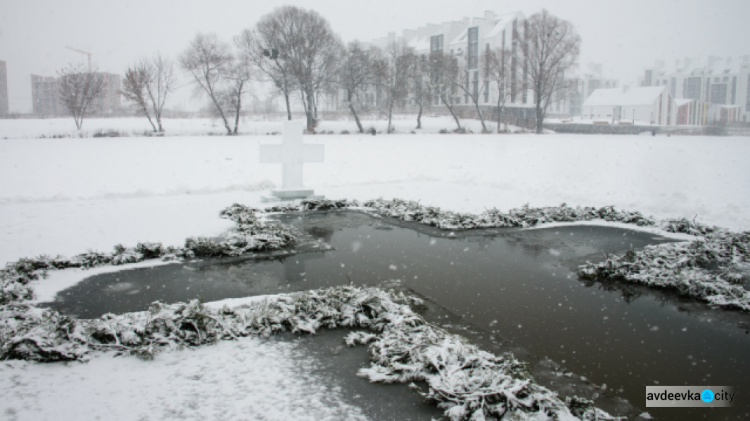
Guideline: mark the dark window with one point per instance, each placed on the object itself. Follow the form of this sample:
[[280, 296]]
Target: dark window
[[436, 44], [454, 73], [747, 95], [647, 79], [475, 86], [514, 62], [466, 84], [734, 89], [525, 63], [693, 88], [719, 93], [473, 48]]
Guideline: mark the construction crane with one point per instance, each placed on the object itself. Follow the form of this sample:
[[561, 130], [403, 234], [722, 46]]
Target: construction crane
[[88, 53]]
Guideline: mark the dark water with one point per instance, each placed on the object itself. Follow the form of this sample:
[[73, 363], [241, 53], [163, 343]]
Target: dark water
[[504, 289]]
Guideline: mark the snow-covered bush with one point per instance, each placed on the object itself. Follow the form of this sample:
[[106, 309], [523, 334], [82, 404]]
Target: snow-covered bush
[[705, 268], [468, 383]]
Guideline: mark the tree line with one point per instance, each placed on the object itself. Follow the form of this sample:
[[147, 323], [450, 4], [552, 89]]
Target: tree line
[[297, 53]]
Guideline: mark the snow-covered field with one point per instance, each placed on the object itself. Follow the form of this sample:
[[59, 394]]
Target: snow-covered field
[[64, 196]]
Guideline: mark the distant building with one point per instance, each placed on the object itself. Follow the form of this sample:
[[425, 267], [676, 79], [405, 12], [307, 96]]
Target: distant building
[[4, 110], [722, 83], [466, 40], [647, 105], [45, 100], [595, 79]]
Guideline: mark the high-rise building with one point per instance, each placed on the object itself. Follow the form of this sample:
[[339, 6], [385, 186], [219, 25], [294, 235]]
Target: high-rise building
[[44, 96], [4, 110], [45, 100]]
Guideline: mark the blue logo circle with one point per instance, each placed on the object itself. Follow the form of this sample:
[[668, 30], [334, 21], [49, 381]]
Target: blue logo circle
[[707, 395]]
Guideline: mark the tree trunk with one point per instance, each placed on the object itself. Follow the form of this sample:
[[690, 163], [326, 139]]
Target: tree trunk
[[354, 112], [309, 112], [481, 117], [237, 117], [148, 116], [455, 117], [390, 115], [499, 114], [539, 117], [419, 116], [288, 108], [221, 114], [158, 121]]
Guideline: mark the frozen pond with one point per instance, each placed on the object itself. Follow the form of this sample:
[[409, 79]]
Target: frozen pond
[[504, 289]]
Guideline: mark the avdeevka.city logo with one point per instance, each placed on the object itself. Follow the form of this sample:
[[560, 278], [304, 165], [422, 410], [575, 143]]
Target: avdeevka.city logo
[[689, 396]]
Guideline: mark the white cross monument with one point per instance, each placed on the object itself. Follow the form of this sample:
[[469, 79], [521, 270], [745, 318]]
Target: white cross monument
[[292, 153]]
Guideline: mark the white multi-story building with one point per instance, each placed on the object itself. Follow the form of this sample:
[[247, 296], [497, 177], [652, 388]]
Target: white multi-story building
[[3, 90], [467, 40], [721, 84]]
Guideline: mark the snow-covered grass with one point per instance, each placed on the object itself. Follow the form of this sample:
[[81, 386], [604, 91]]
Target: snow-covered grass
[[57, 128]]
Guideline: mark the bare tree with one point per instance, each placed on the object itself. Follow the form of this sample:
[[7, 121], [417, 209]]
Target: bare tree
[[356, 72], [392, 74], [208, 59], [307, 47], [461, 76], [147, 84], [77, 89], [419, 90], [238, 74], [262, 48], [440, 86], [496, 65], [550, 47]]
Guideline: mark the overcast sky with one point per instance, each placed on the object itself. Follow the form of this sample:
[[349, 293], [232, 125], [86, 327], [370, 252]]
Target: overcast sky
[[624, 35]]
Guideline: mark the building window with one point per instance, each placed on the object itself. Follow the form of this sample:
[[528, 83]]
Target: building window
[[466, 84], [719, 93], [475, 86], [473, 48], [734, 89], [647, 78], [436, 44], [747, 95], [692, 88]]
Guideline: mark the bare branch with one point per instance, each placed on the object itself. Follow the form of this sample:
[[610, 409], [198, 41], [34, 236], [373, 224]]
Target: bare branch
[[77, 89]]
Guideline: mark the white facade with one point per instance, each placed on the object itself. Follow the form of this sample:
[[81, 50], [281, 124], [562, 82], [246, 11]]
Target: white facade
[[467, 40], [643, 105], [721, 82]]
